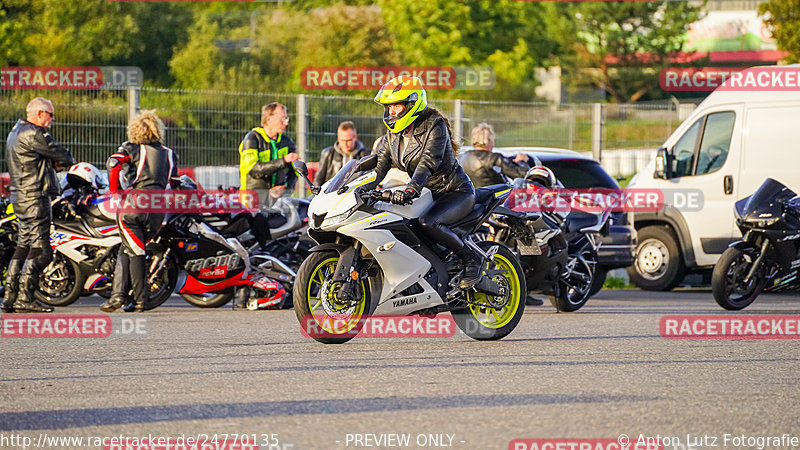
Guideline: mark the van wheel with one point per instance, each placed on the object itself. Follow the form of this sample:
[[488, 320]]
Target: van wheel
[[659, 263]]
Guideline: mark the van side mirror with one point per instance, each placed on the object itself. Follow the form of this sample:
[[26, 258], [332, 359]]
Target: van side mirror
[[368, 162], [301, 168], [663, 164]]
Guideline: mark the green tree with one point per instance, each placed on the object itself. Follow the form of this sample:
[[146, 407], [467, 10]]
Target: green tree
[[782, 17], [512, 37], [14, 20], [622, 46]]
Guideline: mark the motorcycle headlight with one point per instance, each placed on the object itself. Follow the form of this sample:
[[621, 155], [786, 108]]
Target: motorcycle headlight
[[763, 223], [332, 221]]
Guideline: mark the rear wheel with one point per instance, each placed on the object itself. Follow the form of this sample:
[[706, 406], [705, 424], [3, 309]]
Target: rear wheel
[[575, 287], [598, 281], [323, 315], [61, 282], [489, 317], [727, 282], [209, 300]]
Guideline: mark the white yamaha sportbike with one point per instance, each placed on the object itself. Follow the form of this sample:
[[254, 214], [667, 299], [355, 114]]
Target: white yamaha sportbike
[[372, 258]]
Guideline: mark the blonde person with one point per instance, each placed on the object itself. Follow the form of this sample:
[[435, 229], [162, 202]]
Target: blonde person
[[143, 163]]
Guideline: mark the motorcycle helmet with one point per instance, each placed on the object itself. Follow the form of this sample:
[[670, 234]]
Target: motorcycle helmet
[[407, 91], [85, 175], [543, 176]]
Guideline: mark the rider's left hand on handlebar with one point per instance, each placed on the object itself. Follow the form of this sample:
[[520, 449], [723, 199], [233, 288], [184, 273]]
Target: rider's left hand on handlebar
[[404, 197]]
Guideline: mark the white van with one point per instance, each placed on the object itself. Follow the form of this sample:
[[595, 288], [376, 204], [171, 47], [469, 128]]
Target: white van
[[721, 153]]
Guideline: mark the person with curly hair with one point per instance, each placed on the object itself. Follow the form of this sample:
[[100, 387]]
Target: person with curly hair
[[141, 163]]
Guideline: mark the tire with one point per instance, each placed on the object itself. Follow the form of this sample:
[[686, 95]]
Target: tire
[[574, 292], [733, 265], [598, 281], [483, 322], [209, 300], [162, 288], [314, 277], [61, 283], [659, 263]]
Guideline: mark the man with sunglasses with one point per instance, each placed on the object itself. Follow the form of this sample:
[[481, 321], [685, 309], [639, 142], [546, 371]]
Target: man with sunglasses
[[33, 157], [266, 156]]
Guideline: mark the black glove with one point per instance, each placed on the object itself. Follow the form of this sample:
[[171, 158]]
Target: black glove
[[404, 197]]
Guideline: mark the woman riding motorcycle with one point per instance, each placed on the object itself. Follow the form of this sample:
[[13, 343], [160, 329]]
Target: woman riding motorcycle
[[419, 142]]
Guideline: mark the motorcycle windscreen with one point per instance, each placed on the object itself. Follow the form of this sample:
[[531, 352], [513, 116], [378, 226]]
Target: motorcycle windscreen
[[767, 199], [341, 177]]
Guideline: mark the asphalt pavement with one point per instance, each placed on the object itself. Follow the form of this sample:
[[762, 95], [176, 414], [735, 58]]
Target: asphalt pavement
[[598, 373]]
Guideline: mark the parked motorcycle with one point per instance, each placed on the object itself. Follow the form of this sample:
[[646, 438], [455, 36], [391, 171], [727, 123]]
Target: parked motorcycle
[[557, 248], [212, 266], [8, 238], [373, 259], [768, 256]]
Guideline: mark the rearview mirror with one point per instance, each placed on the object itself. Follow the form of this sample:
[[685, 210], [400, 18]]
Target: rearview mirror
[[663, 164], [368, 162], [301, 168]]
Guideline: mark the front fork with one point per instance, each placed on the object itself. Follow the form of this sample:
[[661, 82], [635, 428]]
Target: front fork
[[348, 272], [757, 263]]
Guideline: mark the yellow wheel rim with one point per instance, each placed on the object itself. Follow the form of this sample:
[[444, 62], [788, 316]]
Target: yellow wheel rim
[[480, 305], [333, 315]]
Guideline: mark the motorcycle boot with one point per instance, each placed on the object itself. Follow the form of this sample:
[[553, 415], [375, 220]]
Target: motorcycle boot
[[141, 290], [121, 285], [12, 280], [240, 300], [12, 283], [473, 267], [38, 258]]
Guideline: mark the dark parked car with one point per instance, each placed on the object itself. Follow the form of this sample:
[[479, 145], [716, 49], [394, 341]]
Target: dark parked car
[[618, 243]]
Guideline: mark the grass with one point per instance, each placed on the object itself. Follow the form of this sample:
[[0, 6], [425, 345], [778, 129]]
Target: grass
[[617, 283]]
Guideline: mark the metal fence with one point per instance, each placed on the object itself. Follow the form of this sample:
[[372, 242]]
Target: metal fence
[[206, 127]]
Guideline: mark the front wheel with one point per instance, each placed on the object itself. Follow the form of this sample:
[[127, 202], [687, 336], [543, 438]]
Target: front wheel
[[162, 283], [727, 282], [61, 282], [488, 317], [323, 315], [659, 264]]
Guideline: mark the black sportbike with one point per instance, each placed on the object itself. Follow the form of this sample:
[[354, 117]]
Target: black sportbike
[[768, 256]]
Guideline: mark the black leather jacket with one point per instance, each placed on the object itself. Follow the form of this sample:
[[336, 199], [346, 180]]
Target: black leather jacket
[[150, 166], [333, 159], [429, 158], [479, 166], [30, 154]]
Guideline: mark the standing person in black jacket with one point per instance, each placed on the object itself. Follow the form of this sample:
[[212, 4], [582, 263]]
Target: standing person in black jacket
[[480, 163], [32, 156], [420, 143], [145, 163], [346, 148]]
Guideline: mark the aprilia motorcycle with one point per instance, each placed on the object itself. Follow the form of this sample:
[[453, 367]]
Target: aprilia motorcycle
[[768, 256], [372, 258], [211, 266]]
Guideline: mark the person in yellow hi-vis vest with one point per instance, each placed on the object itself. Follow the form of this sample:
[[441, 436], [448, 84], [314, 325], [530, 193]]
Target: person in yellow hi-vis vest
[[266, 156]]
